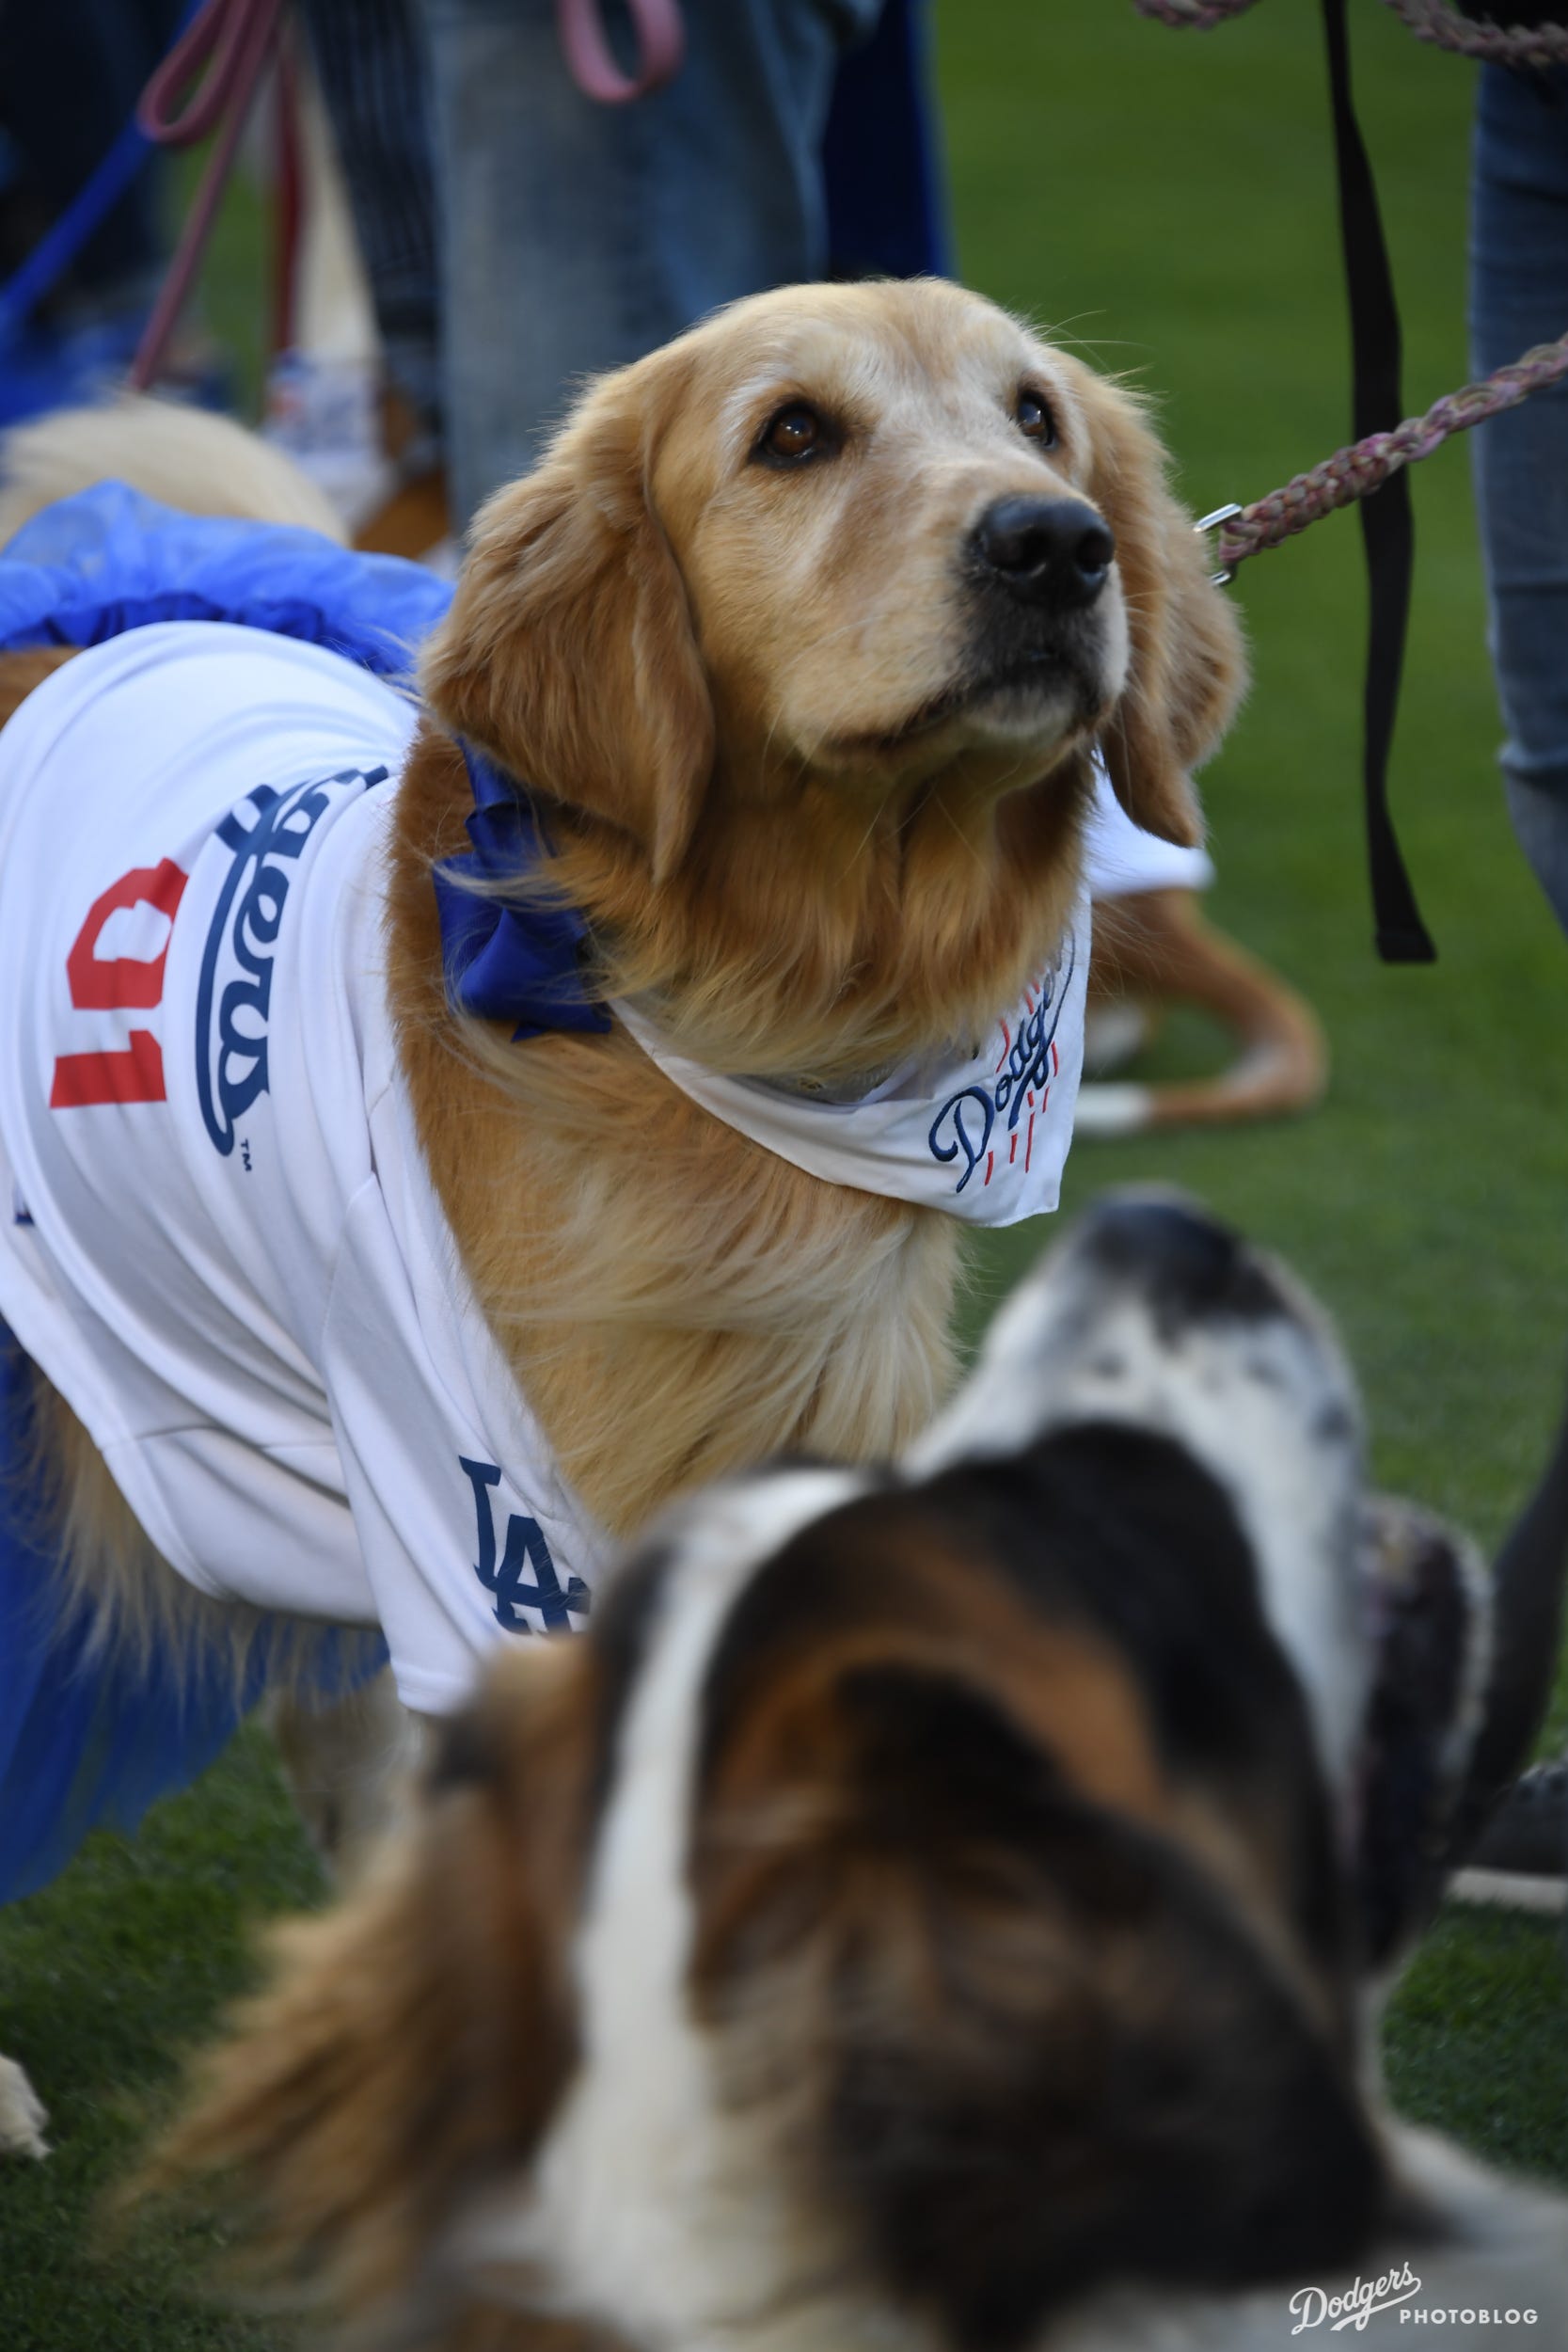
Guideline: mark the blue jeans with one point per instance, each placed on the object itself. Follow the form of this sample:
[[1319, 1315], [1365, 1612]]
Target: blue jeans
[[576, 236], [1519, 297]]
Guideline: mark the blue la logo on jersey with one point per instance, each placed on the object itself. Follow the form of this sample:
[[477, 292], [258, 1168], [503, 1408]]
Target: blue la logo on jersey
[[501, 1571], [234, 992], [962, 1128]]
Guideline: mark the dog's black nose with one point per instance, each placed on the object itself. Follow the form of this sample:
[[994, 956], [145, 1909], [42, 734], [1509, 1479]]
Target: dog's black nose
[[1046, 550], [1183, 1260]]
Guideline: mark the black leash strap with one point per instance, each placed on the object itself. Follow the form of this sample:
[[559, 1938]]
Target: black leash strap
[[1387, 524]]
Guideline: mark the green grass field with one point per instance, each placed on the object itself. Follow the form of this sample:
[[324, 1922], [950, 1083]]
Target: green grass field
[[1165, 201]]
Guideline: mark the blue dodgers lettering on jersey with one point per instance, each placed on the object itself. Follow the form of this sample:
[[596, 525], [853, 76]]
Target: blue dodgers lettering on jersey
[[525, 1548], [241, 941], [962, 1128]]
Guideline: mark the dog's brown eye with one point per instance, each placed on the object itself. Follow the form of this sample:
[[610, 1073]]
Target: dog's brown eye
[[1034, 418], [796, 432]]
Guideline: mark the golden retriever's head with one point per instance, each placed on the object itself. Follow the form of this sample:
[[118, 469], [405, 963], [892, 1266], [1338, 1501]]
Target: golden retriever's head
[[875, 536]]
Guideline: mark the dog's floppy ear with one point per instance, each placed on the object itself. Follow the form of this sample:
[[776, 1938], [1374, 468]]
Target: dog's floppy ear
[[568, 654], [415, 2039], [1047, 2055], [1185, 663]]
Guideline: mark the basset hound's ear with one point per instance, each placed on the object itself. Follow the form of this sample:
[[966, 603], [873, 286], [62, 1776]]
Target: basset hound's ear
[[568, 654], [413, 2040], [1186, 666]]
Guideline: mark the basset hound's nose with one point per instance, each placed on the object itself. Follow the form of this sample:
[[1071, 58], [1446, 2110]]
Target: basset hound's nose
[[1048, 551]]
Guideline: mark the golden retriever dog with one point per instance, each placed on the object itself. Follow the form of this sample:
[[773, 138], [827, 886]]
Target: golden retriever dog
[[800, 645], [939, 1908]]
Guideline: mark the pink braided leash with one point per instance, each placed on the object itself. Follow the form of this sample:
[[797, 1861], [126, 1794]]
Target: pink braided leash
[[1354, 474], [1499, 44], [1201, 15], [1432, 21]]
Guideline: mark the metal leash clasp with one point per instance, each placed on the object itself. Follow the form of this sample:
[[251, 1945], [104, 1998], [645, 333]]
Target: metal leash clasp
[[1221, 516]]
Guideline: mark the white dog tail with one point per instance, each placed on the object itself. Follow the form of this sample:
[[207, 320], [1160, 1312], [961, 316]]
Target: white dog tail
[[187, 457]]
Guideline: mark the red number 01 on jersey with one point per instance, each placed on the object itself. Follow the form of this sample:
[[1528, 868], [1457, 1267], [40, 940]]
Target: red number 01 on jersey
[[112, 984]]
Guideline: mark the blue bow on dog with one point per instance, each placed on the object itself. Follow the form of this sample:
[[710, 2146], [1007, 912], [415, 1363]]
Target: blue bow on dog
[[509, 958]]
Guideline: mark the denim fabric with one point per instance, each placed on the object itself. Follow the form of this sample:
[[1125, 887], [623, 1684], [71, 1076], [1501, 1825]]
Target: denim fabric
[[1519, 297], [578, 236]]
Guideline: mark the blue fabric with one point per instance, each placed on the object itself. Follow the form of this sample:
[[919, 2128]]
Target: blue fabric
[[881, 166], [44, 368], [1518, 298], [507, 961], [90, 1741], [71, 74], [61, 242], [109, 560]]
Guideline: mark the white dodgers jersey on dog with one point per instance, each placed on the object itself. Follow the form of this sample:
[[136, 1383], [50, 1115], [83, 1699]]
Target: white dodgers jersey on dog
[[219, 1239]]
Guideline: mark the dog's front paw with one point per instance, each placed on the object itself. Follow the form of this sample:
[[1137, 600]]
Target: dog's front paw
[[21, 2114]]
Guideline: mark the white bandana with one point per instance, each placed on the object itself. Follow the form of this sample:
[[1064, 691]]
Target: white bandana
[[983, 1133]]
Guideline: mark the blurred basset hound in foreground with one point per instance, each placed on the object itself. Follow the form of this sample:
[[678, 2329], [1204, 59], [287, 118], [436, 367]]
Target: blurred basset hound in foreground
[[942, 1908]]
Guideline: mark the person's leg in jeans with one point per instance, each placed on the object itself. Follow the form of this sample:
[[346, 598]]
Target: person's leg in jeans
[[1519, 297], [578, 236]]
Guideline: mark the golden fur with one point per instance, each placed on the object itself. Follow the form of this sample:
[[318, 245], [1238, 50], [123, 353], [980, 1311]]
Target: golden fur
[[795, 830], [21, 671]]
